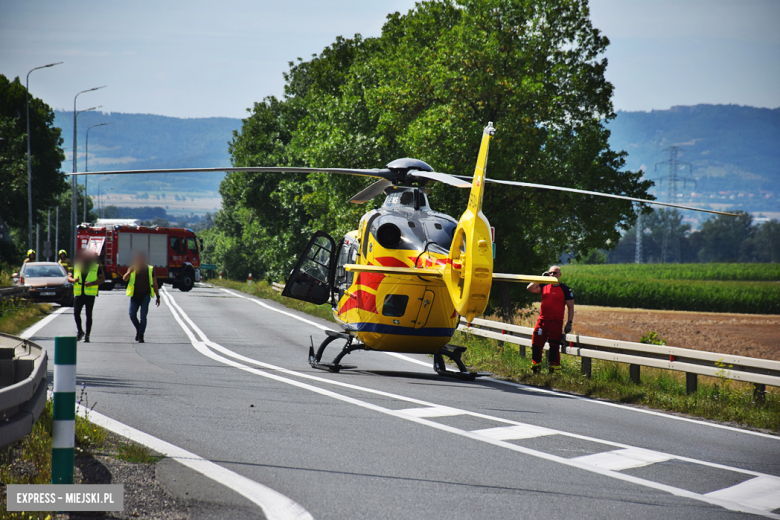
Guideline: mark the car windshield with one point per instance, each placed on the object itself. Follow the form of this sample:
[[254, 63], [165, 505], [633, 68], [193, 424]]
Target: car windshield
[[43, 271]]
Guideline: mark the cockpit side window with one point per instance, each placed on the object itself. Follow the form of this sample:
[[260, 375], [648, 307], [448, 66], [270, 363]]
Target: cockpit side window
[[440, 232]]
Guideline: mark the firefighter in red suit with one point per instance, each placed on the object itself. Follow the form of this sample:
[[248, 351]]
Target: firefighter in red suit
[[549, 328]]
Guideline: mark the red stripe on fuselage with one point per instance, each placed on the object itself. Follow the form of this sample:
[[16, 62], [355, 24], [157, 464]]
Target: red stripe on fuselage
[[390, 261], [430, 262], [370, 280], [362, 300]]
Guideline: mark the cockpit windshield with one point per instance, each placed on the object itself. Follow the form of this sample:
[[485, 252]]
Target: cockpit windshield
[[440, 232]]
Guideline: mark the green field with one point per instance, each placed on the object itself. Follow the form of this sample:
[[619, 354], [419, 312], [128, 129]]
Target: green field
[[740, 288], [722, 272]]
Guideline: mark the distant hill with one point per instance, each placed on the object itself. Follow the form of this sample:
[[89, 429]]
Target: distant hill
[[140, 141], [734, 150]]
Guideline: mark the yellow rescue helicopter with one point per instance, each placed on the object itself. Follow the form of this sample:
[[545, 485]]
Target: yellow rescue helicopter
[[402, 280]]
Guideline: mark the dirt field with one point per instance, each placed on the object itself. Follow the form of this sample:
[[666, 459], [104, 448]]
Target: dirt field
[[752, 335], [739, 334]]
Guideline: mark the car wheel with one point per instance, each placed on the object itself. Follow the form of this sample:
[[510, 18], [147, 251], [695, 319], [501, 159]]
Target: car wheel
[[187, 281]]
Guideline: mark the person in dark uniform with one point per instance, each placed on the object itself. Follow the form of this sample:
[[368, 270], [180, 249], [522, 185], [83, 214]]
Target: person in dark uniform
[[141, 288], [30, 256], [549, 328], [64, 261], [86, 278]]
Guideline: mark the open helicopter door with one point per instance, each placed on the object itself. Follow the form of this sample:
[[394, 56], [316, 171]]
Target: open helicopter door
[[312, 278]]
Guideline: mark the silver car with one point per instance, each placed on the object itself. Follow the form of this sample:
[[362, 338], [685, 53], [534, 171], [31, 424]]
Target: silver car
[[48, 282]]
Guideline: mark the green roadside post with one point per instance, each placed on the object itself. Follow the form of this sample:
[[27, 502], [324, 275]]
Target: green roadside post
[[64, 410]]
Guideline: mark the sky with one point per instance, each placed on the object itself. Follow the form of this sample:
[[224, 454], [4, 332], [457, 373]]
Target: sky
[[199, 58]]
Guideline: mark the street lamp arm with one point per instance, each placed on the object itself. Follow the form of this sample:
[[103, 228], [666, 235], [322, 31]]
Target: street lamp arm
[[29, 153]]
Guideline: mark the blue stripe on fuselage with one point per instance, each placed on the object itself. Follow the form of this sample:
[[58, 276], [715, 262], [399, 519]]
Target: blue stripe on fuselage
[[401, 331]]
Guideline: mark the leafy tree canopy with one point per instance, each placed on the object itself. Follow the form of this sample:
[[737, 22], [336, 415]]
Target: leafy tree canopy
[[426, 88], [47, 179]]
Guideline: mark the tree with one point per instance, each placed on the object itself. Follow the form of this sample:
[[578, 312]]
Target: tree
[[721, 238], [47, 179], [426, 88]]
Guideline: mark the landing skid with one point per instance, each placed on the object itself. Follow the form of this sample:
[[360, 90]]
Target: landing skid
[[454, 353], [315, 360]]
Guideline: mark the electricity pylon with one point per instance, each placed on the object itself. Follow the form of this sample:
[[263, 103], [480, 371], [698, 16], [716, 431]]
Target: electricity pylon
[[671, 243]]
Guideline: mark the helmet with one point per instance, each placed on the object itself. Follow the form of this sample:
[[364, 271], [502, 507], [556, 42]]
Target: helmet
[[63, 252], [30, 252]]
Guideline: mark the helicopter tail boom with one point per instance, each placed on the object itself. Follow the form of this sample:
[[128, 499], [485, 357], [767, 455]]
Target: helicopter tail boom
[[410, 271], [523, 278]]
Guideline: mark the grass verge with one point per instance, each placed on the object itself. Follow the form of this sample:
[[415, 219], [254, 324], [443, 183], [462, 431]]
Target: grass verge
[[719, 399], [263, 290], [28, 461], [17, 314]]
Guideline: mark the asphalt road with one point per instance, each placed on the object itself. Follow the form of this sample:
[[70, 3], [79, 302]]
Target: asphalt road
[[226, 377]]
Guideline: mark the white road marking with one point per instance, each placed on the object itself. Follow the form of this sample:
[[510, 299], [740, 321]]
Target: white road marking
[[520, 431], [431, 411], [203, 347], [30, 331], [275, 506], [761, 492], [527, 387], [624, 459]]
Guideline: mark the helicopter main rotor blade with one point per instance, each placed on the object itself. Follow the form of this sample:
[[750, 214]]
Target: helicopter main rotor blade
[[609, 195], [370, 192], [445, 178], [378, 173]]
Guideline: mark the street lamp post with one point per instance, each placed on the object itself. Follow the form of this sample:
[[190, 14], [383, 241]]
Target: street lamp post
[[99, 185], [100, 201], [86, 166], [29, 153], [73, 181]]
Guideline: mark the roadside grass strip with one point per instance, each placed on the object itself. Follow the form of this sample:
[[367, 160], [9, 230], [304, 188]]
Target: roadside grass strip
[[758, 494]]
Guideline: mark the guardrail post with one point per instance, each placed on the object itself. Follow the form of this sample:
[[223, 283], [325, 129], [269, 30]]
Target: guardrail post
[[586, 366], [691, 383], [64, 410], [759, 392], [633, 373]]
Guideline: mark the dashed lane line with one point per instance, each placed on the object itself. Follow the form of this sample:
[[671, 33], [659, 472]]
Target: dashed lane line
[[526, 387], [204, 345]]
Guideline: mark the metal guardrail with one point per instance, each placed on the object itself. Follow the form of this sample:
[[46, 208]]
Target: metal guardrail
[[693, 362], [17, 290], [23, 386], [760, 372]]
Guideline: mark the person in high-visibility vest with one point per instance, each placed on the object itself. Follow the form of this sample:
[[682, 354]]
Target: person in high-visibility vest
[[86, 278], [141, 288], [64, 261]]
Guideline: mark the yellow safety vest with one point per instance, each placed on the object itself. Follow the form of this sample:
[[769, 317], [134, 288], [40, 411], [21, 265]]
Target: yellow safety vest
[[92, 276], [131, 284]]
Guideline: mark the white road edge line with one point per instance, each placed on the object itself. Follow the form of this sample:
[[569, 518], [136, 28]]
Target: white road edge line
[[531, 388], [228, 352], [203, 347], [275, 506], [31, 330]]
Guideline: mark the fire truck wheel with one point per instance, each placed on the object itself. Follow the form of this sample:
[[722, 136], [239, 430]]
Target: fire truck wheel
[[187, 281]]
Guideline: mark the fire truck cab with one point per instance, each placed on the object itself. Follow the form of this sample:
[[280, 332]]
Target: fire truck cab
[[173, 252]]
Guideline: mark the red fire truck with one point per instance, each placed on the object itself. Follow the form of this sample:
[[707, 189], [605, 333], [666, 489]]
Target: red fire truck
[[174, 252]]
